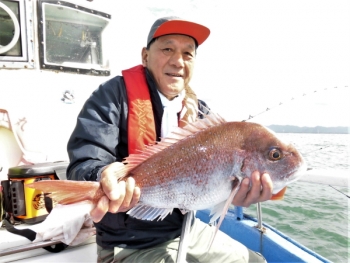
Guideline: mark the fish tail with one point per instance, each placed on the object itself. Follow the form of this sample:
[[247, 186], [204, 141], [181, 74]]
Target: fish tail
[[68, 192]]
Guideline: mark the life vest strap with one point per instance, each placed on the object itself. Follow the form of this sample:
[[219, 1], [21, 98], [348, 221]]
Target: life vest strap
[[141, 125]]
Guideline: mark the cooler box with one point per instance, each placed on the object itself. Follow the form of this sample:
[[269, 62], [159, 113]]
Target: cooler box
[[30, 205]]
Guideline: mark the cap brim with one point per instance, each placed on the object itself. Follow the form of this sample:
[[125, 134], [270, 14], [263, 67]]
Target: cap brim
[[197, 31]]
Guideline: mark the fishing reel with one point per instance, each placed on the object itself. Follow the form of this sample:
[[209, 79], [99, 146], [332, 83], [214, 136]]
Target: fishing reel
[[24, 204]]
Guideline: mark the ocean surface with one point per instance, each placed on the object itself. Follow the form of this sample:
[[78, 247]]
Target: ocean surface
[[316, 215]]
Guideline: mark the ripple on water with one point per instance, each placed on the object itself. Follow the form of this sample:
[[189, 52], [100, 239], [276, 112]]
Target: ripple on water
[[314, 215]]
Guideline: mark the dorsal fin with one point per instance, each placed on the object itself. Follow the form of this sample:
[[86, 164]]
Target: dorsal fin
[[175, 136]]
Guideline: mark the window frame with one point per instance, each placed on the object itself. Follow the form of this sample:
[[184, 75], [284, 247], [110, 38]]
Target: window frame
[[26, 60], [41, 37]]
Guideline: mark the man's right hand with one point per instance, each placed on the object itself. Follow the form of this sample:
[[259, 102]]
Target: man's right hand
[[119, 196]]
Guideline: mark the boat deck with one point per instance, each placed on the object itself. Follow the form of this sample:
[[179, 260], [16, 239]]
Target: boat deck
[[274, 245], [85, 252]]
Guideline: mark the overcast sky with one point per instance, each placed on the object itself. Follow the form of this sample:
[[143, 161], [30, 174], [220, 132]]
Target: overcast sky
[[261, 54]]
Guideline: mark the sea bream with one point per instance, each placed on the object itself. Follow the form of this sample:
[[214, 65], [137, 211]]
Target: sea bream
[[197, 167]]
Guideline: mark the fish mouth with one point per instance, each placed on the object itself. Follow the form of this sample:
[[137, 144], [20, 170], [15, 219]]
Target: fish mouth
[[291, 177], [297, 172]]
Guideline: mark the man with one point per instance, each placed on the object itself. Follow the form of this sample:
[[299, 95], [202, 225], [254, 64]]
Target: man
[[108, 130]]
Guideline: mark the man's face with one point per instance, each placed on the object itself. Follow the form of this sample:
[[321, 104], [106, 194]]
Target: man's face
[[170, 59]]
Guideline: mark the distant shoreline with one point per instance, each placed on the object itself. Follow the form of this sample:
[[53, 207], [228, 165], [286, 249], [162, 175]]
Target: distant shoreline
[[317, 129]]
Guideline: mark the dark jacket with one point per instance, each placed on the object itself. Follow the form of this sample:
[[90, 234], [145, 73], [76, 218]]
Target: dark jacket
[[100, 138]]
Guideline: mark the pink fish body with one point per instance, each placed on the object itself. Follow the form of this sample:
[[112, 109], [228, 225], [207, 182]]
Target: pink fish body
[[197, 167]]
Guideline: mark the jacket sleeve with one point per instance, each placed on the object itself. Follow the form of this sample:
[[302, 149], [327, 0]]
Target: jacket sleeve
[[99, 137]]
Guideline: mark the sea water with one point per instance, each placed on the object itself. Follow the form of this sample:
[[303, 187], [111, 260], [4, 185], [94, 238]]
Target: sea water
[[315, 215]]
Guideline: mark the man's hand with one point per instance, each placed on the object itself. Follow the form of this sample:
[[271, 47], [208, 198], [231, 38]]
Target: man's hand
[[260, 190], [119, 196]]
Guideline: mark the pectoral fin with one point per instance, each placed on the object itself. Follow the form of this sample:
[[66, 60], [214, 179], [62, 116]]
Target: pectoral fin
[[145, 212], [216, 212], [224, 207]]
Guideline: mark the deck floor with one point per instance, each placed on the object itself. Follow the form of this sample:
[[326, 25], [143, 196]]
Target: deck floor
[[85, 252]]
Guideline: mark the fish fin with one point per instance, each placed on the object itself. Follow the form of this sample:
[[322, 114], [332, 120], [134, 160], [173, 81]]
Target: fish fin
[[215, 212], [135, 159], [180, 133], [219, 209], [175, 136], [210, 120], [67, 191], [224, 206], [279, 195], [184, 211], [146, 212]]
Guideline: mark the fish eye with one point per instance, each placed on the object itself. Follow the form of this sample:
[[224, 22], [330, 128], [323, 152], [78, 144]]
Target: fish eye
[[275, 154]]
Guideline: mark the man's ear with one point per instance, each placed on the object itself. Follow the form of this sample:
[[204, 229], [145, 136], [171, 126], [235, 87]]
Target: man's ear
[[144, 56]]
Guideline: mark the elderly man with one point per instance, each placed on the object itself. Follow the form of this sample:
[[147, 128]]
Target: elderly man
[[107, 131]]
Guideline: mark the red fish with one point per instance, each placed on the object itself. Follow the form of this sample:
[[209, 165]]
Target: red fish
[[197, 167]]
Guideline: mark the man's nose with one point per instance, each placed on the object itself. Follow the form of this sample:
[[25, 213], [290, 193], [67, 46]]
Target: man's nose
[[177, 59]]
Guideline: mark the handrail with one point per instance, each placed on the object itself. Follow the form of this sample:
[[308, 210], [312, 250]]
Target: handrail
[[185, 232], [23, 248]]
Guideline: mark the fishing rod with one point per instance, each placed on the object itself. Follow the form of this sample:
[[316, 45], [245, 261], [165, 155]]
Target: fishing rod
[[293, 99], [326, 179], [286, 102], [319, 149], [348, 196], [313, 179]]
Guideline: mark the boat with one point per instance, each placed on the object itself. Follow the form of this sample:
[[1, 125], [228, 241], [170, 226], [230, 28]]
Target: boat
[[53, 54], [271, 243]]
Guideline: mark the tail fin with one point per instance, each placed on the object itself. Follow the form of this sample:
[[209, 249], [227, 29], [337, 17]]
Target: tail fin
[[68, 192]]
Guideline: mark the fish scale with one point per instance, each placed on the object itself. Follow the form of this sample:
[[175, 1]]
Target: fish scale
[[201, 166]]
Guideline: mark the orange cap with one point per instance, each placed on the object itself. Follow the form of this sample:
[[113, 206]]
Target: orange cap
[[175, 25]]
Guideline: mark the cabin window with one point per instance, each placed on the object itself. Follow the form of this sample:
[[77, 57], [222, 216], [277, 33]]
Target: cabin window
[[72, 38], [15, 30]]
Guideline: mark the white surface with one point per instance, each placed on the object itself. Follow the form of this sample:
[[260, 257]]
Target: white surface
[[85, 252], [334, 178]]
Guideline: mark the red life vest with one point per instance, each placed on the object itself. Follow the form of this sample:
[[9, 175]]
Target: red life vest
[[141, 126]]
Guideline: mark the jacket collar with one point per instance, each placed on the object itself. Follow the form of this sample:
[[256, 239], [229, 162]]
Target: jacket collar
[[156, 102]]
